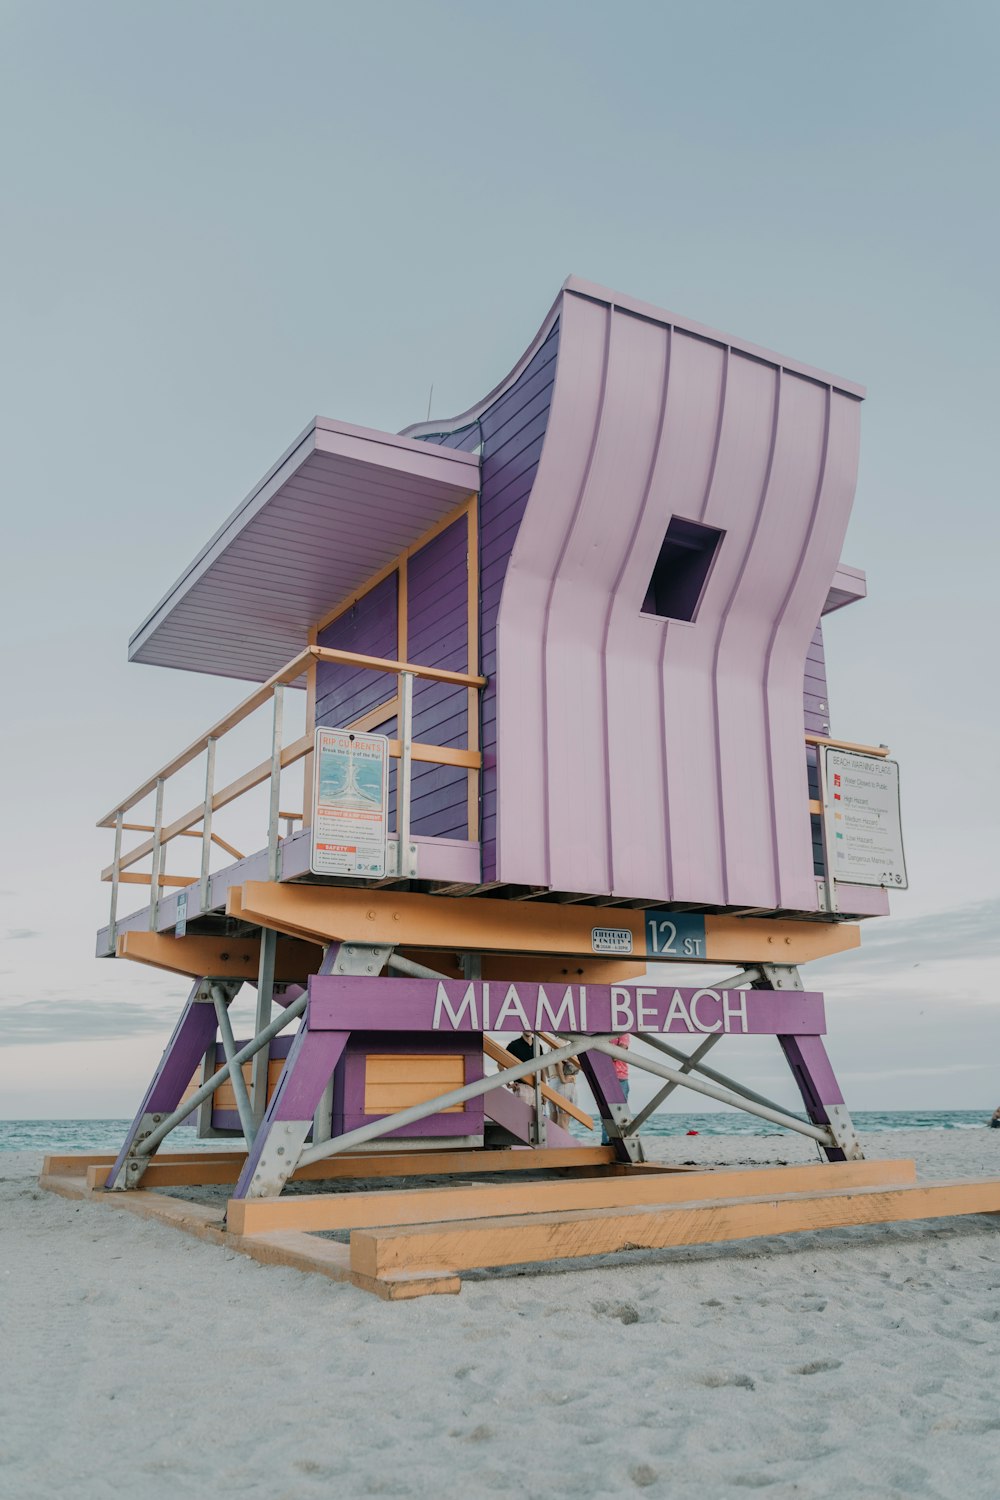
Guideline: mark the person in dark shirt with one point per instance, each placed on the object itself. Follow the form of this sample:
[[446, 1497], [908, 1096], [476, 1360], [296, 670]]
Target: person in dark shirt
[[995, 1122]]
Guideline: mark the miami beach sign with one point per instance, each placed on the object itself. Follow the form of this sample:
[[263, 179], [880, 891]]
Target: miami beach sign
[[340, 1002]]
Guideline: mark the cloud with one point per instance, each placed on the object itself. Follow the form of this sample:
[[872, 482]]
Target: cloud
[[36, 1021], [965, 932], [13, 933]]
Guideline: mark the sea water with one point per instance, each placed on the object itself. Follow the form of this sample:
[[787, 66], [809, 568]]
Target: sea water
[[107, 1135]]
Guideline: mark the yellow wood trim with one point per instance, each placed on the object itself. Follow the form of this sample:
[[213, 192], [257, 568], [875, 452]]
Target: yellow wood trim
[[384, 664], [507, 1059], [815, 807], [127, 878], [219, 957], [535, 970], [878, 751], [425, 1206], [472, 663], [438, 755], [484, 924], [375, 716]]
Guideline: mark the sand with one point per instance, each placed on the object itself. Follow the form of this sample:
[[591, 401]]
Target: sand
[[136, 1361]]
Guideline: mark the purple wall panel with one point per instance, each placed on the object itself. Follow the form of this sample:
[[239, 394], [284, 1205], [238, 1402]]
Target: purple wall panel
[[437, 636], [344, 693]]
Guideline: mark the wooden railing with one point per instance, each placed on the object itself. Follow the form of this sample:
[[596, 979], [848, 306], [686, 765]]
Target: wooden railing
[[197, 821]]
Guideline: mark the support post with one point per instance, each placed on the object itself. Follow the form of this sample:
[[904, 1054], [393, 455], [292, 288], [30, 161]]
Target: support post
[[206, 825], [814, 1075], [194, 1033], [265, 997], [154, 881], [404, 788], [277, 731], [115, 872], [612, 1106]]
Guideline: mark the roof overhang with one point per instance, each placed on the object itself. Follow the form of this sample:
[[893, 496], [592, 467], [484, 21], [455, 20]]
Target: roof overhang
[[849, 585], [341, 504]]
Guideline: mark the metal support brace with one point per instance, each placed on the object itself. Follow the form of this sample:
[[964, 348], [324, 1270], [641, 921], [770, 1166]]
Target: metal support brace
[[265, 997], [222, 995], [539, 1132], [639, 1120]]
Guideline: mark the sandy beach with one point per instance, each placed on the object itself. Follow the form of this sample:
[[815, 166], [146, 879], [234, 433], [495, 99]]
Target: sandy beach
[[137, 1361]]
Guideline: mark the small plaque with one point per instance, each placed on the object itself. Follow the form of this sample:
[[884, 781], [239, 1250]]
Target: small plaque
[[611, 940]]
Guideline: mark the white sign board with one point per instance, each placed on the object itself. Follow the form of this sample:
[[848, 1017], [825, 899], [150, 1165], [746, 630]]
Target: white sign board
[[350, 804], [864, 836]]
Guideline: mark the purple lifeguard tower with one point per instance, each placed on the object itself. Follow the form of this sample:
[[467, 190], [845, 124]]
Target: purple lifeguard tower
[[566, 722]]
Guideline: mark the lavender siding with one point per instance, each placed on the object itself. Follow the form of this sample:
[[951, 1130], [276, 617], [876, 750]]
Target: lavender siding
[[816, 709], [512, 431], [345, 693], [438, 636]]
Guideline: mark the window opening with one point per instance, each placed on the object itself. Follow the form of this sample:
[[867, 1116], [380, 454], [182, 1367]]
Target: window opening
[[682, 569]]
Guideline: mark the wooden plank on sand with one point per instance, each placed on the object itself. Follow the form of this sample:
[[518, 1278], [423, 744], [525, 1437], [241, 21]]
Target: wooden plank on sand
[[603, 1231], [438, 1205]]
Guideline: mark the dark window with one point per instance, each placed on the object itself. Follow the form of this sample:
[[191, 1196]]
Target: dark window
[[682, 568]]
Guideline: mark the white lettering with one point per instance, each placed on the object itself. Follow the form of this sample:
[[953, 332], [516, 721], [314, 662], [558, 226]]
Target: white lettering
[[486, 1008], [583, 1007], [677, 1012], [512, 1007], [621, 1009], [645, 1015], [739, 1011], [698, 996], [442, 1004], [564, 1019]]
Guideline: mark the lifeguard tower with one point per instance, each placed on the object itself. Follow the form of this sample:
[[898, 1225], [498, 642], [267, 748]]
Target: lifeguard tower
[[565, 725]]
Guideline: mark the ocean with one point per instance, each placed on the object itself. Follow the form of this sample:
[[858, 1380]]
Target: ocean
[[107, 1135]]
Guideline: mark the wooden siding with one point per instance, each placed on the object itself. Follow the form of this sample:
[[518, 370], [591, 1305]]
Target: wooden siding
[[344, 693], [512, 432], [816, 711], [438, 636]]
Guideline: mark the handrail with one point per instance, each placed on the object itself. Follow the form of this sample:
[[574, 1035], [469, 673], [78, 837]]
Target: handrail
[[877, 751], [403, 749], [260, 696]]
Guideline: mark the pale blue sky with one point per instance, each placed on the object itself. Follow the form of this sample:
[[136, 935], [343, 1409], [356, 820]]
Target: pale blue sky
[[222, 218]]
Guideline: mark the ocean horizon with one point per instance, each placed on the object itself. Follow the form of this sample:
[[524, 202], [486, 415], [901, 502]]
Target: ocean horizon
[[107, 1135]]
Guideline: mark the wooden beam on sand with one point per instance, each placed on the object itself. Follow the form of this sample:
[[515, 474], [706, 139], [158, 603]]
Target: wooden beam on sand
[[213, 1168], [326, 1211], [604, 1231]]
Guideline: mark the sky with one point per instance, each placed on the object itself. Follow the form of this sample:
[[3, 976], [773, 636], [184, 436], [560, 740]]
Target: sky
[[220, 219]]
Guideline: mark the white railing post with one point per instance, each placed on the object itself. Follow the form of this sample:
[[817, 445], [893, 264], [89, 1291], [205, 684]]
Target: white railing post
[[275, 802], [119, 815], [154, 882], [206, 824], [404, 787], [829, 885]]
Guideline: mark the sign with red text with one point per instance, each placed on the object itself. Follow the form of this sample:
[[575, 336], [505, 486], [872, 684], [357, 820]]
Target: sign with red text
[[864, 834], [350, 804]]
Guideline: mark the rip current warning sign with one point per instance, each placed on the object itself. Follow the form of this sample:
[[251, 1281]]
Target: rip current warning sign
[[350, 804]]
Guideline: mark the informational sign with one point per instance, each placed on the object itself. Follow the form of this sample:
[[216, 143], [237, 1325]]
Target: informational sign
[[350, 804], [611, 940], [181, 922], [864, 836], [674, 934], [415, 1005]]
